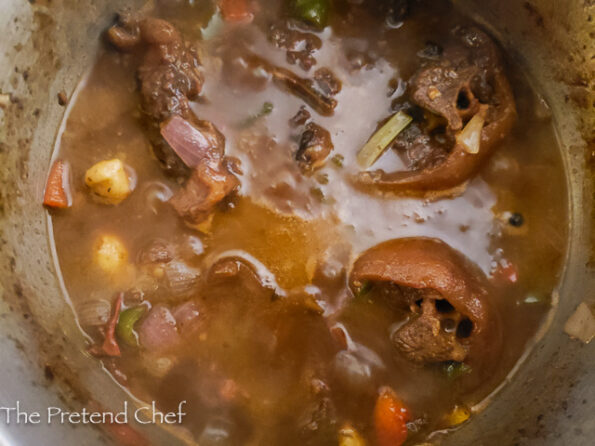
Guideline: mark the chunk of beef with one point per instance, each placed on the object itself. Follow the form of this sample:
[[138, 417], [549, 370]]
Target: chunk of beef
[[420, 149], [423, 338], [169, 74], [300, 118], [303, 88], [300, 46], [315, 146], [467, 80], [156, 251], [169, 78], [207, 186], [286, 80], [327, 82], [452, 317], [446, 90]]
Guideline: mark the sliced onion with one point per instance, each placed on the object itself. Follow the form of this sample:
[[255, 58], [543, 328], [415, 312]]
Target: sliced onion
[[267, 278], [187, 316], [470, 136], [158, 331], [94, 312], [380, 140], [581, 325], [190, 143], [181, 278]]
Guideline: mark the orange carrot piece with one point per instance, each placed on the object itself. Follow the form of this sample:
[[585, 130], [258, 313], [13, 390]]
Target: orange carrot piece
[[125, 435], [390, 419], [237, 11], [57, 189]]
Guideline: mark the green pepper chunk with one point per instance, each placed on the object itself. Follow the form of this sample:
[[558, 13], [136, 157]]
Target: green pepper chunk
[[313, 12], [454, 370], [125, 328], [364, 289]]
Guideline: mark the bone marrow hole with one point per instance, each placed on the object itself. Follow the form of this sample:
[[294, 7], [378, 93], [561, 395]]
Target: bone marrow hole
[[443, 306], [464, 329], [463, 101]]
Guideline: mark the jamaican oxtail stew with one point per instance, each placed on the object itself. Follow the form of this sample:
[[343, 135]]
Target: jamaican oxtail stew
[[318, 223]]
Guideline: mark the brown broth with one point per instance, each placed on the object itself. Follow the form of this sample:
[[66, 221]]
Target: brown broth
[[306, 224]]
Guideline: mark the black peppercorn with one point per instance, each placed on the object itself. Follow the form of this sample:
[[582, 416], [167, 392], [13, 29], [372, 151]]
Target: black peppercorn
[[516, 219]]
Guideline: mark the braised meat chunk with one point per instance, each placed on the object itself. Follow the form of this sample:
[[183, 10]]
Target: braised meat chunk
[[300, 46], [420, 149], [445, 90], [424, 339], [315, 147], [451, 314], [467, 88], [208, 185], [169, 73], [327, 82], [169, 78]]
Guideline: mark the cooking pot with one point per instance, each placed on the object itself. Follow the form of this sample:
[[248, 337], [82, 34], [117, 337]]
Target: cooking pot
[[47, 45]]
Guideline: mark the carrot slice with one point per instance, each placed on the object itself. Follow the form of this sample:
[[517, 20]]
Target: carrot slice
[[390, 419], [505, 273], [57, 189], [123, 433], [237, 11]]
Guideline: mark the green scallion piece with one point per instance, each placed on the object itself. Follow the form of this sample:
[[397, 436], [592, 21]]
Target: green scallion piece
[[380, 140]]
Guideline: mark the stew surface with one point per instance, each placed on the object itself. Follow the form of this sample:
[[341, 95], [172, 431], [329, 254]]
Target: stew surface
[[316, 223]]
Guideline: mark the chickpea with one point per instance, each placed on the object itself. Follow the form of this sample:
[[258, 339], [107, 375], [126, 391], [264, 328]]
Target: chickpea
[[109, 181], [110, 254]]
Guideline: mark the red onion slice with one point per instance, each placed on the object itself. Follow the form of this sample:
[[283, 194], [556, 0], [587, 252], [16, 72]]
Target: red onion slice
[[192, 142]]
